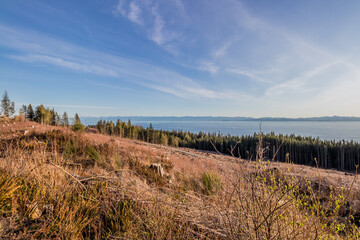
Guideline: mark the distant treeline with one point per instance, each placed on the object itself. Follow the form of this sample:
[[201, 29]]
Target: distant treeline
[[341, 155]]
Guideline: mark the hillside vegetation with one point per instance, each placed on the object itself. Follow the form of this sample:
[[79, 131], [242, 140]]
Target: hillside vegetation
[[56, 183], [340, 155]]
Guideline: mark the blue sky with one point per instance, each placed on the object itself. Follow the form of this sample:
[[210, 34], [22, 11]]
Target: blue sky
[[177, 58]]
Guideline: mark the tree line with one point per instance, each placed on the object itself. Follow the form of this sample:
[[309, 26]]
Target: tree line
[[340, 155], [41, 114]]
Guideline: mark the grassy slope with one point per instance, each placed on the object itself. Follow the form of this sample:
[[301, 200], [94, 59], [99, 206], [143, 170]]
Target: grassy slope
[[58, 184]]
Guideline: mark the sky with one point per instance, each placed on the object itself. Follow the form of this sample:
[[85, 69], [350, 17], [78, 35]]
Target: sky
[[254, 58]]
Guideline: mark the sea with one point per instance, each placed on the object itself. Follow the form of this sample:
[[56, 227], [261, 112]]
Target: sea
[[325, 130]]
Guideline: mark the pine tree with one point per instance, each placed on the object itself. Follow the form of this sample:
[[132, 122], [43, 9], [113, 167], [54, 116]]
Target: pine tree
[[30, 113], [8, 107]]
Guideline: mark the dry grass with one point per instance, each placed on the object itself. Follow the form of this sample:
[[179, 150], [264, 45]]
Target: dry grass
[[58, 184]]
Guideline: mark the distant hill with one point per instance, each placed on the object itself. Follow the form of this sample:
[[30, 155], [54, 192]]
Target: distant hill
[[93, 120]]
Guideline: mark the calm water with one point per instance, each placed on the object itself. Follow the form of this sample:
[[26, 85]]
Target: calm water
[[328, 130]]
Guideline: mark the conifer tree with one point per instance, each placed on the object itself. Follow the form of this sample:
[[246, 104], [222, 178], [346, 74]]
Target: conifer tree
[[77, 119], [8, 107], [30, 113], [57, 119], [65, 119], [23, 111], [53, 117], [78, 127]]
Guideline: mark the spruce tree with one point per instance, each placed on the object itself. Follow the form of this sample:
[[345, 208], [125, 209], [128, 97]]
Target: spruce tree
[[8, 107]]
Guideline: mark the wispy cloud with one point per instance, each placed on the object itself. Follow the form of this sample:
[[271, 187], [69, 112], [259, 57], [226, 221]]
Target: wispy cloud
[[120, 68], [208, 66], [128, 10], [56, 61], [222, 50], [68, 106], [249, 74], [246, 55], [157, 34], [135, 13], [302, 83], [119, 9], [112, 86], [155, 26]]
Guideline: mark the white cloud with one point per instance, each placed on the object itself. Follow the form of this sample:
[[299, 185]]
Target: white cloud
[[204, 65], [146, 14], [127, 10], [248, 74], [135, 13], [222, 50], [120, 9], [157, 34]]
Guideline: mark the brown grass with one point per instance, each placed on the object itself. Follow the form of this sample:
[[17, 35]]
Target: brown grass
[[58, 184]]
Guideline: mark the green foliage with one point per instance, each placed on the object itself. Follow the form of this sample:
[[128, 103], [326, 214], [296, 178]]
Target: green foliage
[[211, 183], [78, 127]]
